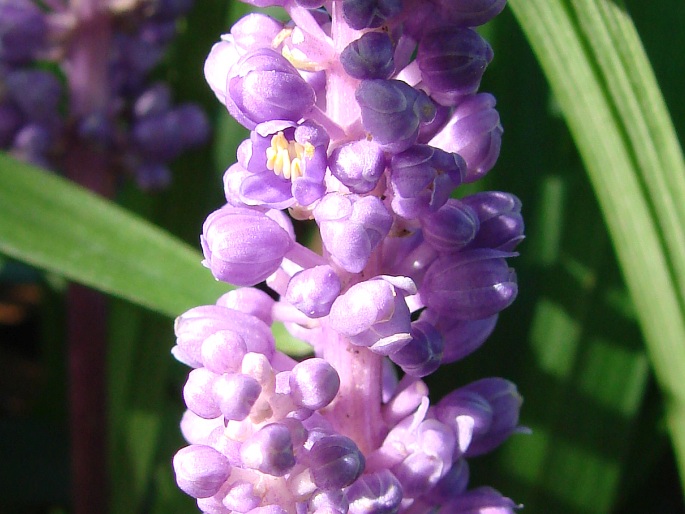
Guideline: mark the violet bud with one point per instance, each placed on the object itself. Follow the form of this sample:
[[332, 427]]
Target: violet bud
[[452, 484], [255, 30], [374, 314], [463, 337], [358, 165], [475, 133], [369, 57], [218, 64], [200, 470], [328, 502], [37, 93], [505, 403], [264, 86], [223, 351], [469, 285], [235, 394], [249, 300], [312, 291], [479, 500], [335, 462], [452, 62], [22, 31], [393, 111], [470, 13], [466, 413], [270, 450], [501, 223], [422, 179], [198, 393], [352, 227], [369, 14], [243, 246], [451, 228], [422, 355], [313, 383], [375, 493], [241, 497]]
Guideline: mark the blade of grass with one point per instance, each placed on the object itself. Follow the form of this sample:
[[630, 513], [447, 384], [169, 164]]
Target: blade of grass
[[601, 77]]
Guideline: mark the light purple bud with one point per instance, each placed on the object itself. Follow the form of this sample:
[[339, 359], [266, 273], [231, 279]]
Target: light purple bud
[[480, 500], [359, 165], [197, 430], [375, 493], [470, 13], [212, 505], [423, 178], [235, 394], [223, 351], [393, 111], [218, 64], [374, 314], [369, 14], [501, 223], [452, 61], [255, 30], [352, 227], [475, 133], [313, 383], [200, 470], [264, 86], [463, 337], [369, 57], [198, 393], [270, 450], [312, 291], [335, 462], [505, 402], [22, 31], [423, 354], [328, 502], [249, 300], [469, 285], [243, 246], [241, 497], [408, 396], [451, 228]]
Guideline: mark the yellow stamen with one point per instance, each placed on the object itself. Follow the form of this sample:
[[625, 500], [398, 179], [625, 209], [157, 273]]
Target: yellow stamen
[[284, 157]]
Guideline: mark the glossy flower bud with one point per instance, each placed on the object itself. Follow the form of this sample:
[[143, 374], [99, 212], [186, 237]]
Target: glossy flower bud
[[452, 62], [313, 291], [475, 133], [369, 14], [358, 165], [470, 13], [422, 355], [243, 246], [393, 111], [200, 470], [235, 394], [501, 223], [481, 499], [451, 227], [469, 285], [22, 31], [264, 86], [375, 493], [335, 462], [270, 450], [369, 57], [351, 228], [313, 383]]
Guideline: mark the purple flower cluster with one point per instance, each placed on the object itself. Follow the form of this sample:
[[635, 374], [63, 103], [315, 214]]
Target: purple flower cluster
[[365, 117], [105, 54]]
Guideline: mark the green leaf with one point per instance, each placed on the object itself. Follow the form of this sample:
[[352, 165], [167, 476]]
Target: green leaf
[[600, 75], [52, 224]]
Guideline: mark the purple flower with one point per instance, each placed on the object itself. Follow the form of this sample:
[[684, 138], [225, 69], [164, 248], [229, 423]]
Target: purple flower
[[450, 228], [363, 14], [336, 462], [270, 450], [422, 355], [358, 165], [375, 493], [313, 291], [264, 86], [480, 500], [369, 57], [392, 112], [501, 223], [22, 31], [243, 246]]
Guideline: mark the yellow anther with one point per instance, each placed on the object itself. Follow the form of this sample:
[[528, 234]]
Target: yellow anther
[[280, 37], [298, 59], [284, 157]]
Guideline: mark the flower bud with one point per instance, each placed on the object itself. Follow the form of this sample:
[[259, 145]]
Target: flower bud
[[243, 246], [393, 111], [198, 393], [452, 61], [481, 499], [313, 383], [335, 462], [422, 355], [200, 470], [451, 228], [22, 31], [270, 450], [369, 57], [375, 492], [469, 285], [501, 223], [235, 394], [313, 291], [369, 14], [358, 165], [475, 133], [264, 86]]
